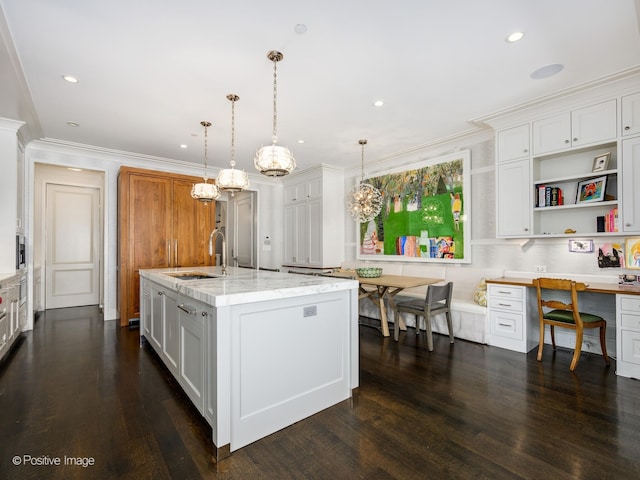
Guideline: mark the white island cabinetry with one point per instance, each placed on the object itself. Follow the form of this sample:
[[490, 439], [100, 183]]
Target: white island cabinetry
[[256, 351]]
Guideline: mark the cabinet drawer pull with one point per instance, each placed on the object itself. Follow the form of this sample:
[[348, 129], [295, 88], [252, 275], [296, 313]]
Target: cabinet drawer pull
[[504, 324], [627, 127], [503, 292], [189, 310], [505, 304]]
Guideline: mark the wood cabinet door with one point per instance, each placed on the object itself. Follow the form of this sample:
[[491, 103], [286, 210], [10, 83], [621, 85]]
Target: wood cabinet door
[[193, 222], [149, 228]]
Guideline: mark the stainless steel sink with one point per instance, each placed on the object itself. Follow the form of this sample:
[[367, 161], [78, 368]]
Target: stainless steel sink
[[193, 275]]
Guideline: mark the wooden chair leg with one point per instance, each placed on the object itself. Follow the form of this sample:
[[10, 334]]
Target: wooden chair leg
[[450, 325], [603, 344], [553, 336], [541, 344], [577, 350], [427, 324]]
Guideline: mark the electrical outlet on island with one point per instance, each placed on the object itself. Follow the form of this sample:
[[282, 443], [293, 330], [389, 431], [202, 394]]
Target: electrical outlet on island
[[540, 268]]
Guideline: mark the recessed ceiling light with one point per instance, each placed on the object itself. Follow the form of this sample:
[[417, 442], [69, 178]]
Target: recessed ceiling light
[[300, 28], [301, 141], [378, 103], [70, 78], [514, 37], [73, 169], [547, 71], [73, 124], [183, 146]]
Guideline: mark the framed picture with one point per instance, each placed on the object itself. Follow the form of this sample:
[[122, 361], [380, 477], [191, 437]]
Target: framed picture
[[601, 162], [591, 190], [425, 213], [632, 252], [581, 246]]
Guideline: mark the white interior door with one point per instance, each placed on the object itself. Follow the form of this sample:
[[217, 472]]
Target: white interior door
[[244, 242], [72, 259]]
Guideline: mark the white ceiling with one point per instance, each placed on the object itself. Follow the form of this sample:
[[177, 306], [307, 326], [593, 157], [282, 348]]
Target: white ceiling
[[150, 71]]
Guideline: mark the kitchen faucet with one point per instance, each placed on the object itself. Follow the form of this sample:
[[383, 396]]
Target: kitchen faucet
[[224, 248]]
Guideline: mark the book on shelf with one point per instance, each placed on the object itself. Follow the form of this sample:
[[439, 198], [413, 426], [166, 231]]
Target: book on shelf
[[611, 220], [549, 196]]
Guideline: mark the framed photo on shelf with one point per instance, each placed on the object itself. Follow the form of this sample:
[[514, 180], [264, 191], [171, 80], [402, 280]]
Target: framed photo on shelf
[[591, 190], [601, 162], [632, 252], [581, 246]]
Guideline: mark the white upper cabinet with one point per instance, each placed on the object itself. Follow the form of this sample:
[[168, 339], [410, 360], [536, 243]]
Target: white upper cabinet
[[513, 199], [513, 143], [631, 115], [584, 126]]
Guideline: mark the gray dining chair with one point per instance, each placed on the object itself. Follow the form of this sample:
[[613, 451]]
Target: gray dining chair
[[437, 300]]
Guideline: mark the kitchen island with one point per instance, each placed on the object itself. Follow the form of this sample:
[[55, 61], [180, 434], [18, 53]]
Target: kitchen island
[[255, 351]]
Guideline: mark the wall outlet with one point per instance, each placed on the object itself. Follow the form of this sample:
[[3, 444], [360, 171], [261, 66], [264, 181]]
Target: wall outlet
[[540, 268]]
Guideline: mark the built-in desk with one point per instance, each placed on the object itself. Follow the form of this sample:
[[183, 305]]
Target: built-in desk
[[513, 318]]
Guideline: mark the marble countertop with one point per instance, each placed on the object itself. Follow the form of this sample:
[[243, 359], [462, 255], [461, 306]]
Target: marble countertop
[[244, 285], [4, 277]]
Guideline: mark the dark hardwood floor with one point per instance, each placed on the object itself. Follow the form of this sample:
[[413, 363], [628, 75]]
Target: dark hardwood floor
[[80, 387]]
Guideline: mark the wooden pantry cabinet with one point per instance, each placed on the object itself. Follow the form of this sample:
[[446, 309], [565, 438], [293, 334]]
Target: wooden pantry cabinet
[[159, 226]]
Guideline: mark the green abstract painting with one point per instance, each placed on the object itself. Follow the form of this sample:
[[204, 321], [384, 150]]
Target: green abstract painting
[[424, 212]]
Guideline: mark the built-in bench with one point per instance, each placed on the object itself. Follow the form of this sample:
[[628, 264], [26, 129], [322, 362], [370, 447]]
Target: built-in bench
[[469, 318]]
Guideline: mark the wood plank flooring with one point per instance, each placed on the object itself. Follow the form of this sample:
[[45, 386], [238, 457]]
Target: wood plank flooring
[[80, 387]]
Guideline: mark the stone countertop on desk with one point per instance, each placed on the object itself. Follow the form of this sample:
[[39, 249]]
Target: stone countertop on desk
[[244, 285]]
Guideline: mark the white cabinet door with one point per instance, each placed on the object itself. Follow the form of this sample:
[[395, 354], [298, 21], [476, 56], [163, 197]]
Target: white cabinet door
[[193, 316], [631, 114], [551, 134], [513, 143], [631, 185], [296, 238], [145, 309], [513, 199], [584, 126], [171, 331], [313, 218], [594, 124], [292, 193], [157, 302]]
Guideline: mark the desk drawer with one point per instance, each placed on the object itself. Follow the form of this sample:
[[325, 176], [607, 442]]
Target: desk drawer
[[630, 347], [506, 291], [505, 304], [507, 325], [630, 304], [630, 321]]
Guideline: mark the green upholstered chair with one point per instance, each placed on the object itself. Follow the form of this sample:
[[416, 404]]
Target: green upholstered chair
[[437, 300], [556, 313]]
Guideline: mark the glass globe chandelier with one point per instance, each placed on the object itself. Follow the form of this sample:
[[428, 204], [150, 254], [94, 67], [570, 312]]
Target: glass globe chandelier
[[364, 201], [274, 160], [229, 179], [205, 191]]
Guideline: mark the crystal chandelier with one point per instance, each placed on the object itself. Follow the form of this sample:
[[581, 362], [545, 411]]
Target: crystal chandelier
[[205, 192], [364, 201], [274, 160], [230, 179]]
